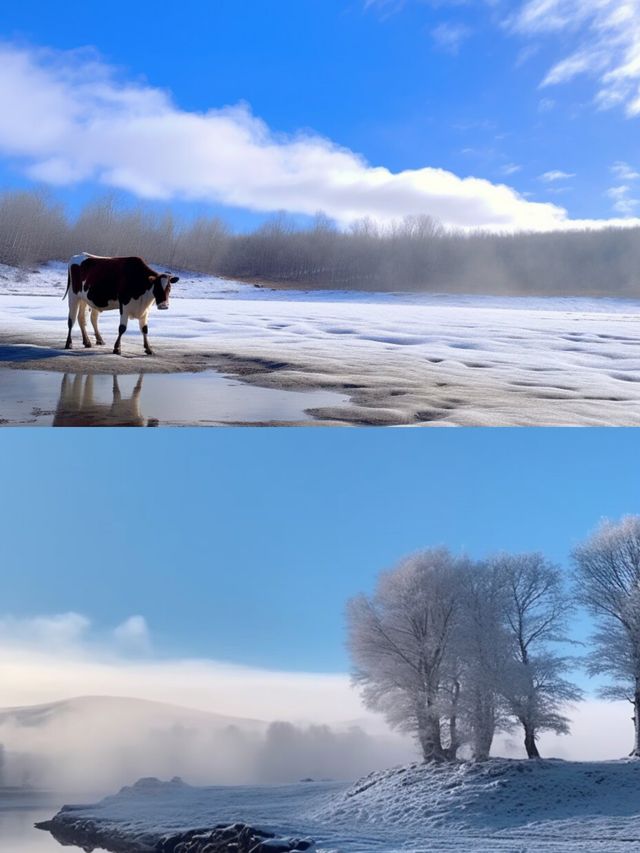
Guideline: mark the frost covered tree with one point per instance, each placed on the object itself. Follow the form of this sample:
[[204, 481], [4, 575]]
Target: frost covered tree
[[484, 649], [608, 584], [402, 642], [535, 612]]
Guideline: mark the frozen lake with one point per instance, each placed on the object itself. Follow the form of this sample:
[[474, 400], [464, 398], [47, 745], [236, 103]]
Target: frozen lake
[[49, 398]]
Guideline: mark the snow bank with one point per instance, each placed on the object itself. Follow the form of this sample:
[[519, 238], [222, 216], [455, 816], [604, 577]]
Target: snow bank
[[160, 817], [501, 806], [548, 797]]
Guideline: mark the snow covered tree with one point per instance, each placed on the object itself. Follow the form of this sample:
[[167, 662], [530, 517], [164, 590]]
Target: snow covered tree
[[535, 612], [401, 642], [608, 585]]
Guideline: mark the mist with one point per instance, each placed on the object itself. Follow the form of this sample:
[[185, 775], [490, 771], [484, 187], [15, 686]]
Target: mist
[[414, 254], [94, 710], [90, 710], [99, 744]]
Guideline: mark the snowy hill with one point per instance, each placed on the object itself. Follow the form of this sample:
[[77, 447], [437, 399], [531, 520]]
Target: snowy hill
[[502, 805], [588, 798], [99, 711]]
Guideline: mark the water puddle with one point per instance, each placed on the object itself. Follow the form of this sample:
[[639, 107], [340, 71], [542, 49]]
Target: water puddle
[[48, 398]]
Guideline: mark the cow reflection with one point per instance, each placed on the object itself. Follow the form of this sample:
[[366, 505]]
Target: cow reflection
[[77, 405]]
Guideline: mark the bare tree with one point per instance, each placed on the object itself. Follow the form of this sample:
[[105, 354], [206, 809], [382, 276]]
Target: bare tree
[[401, 640], [415, 254], [535, 613], [608, 584]]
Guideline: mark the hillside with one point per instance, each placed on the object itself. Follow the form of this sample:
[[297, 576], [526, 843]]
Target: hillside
[[103, 710], [581, 799]]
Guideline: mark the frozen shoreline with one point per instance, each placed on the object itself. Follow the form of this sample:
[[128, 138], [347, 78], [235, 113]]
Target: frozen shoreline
[[494, 807], [402, 360]]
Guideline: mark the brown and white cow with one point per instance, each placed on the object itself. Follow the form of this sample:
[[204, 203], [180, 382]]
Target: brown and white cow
[[104, 284]]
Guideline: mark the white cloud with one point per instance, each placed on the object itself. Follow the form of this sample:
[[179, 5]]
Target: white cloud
[[133, 634], [606, 44], [52, 632], [624, 172], [449, 36], [47, 658], [69, 118], [623, 201], [385, 7], [555, 175], [510, 169]]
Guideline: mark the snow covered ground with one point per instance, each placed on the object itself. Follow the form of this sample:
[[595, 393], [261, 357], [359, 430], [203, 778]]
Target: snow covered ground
[[514, 806], [401, 359]]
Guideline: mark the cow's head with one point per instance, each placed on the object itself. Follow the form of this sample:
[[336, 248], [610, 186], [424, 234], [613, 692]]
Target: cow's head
[[162, 288]]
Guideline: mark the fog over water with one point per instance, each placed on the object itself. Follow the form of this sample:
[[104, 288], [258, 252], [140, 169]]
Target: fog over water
[[91, 713], [103, 743]]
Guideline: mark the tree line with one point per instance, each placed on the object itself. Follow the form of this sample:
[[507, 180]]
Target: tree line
[[416, 254], [454, 650]]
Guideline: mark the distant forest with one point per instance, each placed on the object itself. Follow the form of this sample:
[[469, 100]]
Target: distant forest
[[416, 254]]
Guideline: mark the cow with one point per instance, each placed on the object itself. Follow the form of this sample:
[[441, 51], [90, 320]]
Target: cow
[[104, 284]]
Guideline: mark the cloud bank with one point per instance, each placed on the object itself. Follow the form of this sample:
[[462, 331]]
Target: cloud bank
[[68, 118]]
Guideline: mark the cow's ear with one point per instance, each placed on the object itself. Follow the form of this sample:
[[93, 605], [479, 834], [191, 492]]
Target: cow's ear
[[153, 277], [174, 278]]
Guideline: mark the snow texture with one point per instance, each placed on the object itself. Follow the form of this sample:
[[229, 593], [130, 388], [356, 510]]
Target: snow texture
[[404, 359], [499, 805]]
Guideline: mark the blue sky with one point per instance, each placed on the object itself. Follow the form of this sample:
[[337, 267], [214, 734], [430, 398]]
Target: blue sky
[[244, 545], [497, 91]]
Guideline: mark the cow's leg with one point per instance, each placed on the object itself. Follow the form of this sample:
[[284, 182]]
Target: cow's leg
[[122, 328], [144, 328], [82, 322], [73, 313], [95, 315]]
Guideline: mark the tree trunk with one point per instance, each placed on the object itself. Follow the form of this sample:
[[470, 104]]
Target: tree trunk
[[429, 734], [482, 740], [454, 740], [483, 727], [635, 753], [530, 742]]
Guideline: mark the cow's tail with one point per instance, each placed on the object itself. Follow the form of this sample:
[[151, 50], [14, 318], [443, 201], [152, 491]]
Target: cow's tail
[[68, 282]]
